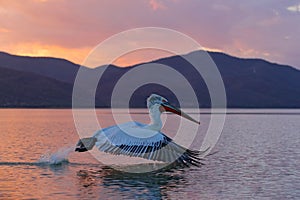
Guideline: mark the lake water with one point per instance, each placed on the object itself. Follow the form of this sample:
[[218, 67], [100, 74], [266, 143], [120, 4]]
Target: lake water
[[257, 157]]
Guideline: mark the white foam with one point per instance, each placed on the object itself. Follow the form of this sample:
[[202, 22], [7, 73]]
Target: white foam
[[56, 158]]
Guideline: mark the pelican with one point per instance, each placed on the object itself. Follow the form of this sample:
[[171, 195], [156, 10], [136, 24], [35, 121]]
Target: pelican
[[144, 140]]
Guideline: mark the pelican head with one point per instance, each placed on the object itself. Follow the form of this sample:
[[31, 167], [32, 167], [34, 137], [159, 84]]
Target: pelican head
[[163, 105]]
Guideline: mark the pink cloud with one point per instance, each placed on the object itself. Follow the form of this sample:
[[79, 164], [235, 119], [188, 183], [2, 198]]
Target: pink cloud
[[79, 26], [157, 5]]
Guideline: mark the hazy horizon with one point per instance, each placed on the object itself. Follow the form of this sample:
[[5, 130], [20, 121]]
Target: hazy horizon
[[149, 60]]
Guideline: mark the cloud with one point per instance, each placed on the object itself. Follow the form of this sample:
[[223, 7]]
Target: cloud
[[294, 8], [66, 28], [77, 55], [221, 7], [4, 30], [157, 5]]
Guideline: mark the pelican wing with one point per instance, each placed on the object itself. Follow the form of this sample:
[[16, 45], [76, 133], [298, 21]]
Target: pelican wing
[[158, 147]]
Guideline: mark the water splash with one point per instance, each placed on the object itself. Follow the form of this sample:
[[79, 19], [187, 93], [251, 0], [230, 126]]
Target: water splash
[[57, 158]]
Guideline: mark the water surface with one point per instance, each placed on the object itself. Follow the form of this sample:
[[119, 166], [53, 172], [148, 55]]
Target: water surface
[[258, 157]]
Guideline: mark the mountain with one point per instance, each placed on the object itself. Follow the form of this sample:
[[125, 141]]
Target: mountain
[[56, 68], [249, 83], [26, 89]]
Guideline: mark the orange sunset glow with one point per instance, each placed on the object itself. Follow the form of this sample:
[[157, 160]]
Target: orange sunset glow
[[71, 30]]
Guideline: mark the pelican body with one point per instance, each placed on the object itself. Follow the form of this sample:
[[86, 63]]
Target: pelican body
[[144, 140]]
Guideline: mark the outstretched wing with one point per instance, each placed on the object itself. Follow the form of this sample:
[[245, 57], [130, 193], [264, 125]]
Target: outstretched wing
[[157, 147]]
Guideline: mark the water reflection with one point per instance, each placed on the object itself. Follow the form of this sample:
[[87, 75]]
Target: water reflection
[[114, 183]]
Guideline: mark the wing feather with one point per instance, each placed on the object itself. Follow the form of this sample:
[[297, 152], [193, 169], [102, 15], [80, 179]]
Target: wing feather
[[158, 147]]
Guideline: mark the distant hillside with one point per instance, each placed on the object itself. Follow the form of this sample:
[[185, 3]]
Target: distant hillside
[[26, 89], [59, 69], [249, 83]]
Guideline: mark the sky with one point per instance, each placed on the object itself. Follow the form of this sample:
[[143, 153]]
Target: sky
[[268, 29]]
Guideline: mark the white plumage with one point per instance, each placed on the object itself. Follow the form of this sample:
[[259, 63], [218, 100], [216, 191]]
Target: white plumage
[[144, 140]]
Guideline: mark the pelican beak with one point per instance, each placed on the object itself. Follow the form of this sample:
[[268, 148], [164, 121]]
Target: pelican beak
[[166, 107]]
